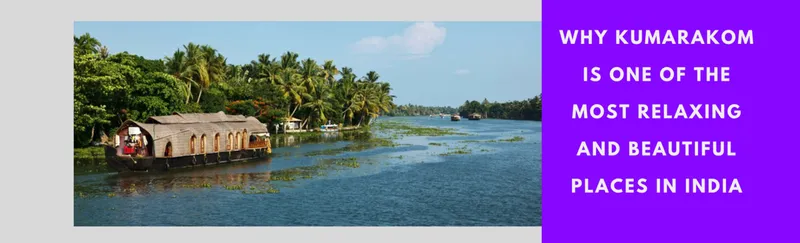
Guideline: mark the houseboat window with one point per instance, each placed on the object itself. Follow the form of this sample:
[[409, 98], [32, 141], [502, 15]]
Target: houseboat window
[[229, 142], [216, 143], [203, 144], [191, 144], [238, 135], [168, 150], [244, 137]]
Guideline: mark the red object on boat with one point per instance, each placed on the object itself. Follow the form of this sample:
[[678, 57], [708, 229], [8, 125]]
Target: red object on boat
[[127, 150]]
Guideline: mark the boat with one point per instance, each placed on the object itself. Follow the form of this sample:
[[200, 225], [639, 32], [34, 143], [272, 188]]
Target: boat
[[474, 116], [180, 140], [455, 118], [329, 128]]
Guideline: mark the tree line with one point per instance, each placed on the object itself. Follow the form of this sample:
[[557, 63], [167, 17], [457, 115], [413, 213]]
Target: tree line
[[110, 89], [418, 110], [530, 109]]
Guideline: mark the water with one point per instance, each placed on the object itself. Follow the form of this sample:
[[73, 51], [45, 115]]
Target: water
[[491, 183]]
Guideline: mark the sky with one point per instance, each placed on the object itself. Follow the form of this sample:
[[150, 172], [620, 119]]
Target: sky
[[426, 63]]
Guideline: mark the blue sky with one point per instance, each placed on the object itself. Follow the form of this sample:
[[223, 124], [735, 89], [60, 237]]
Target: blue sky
[[427, 63]]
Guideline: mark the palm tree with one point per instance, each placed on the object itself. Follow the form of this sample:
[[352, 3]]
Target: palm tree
[[196, 66], [329, 72], [288, 83], [366, 100], [346, 92], [210, 68], [289, 61], [348, 72], [309, 75], [177, 66], [319, 104], [265, 67], [86, 44], [371, 77], [385, 99]]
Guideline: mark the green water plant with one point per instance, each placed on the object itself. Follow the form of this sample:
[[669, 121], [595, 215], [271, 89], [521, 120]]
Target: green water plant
[[514, 139]]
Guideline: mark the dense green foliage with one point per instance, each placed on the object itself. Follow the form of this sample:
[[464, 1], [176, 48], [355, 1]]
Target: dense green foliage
[[530, 109], [110, 89], [418, 110]]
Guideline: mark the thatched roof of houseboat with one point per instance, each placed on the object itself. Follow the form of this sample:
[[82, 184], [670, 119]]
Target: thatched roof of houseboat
[[179, 128], [185, 118]]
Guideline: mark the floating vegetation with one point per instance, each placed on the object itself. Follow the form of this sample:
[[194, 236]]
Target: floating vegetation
[[470, 141], [457, 150], [308, 172], [347, 162], [261, 189], [111, 194], [401, 128], [204, 185], [436, 144], [355, 147], [234, 187], [130, 189], [514, 139]]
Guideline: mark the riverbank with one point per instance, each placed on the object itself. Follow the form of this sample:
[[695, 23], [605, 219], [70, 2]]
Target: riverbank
[[89, 160]]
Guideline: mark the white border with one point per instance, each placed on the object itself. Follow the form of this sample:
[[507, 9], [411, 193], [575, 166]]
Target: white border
[[37, 98]]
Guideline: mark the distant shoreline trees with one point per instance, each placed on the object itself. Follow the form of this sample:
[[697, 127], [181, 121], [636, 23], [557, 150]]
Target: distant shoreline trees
[[530, 109], [418, 110]]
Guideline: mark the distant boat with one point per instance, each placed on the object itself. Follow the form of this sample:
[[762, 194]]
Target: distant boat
[[455, 118], [474, 116]]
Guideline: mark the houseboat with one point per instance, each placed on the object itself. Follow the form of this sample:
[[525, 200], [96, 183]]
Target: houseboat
[[186, 140], [474, 116], [455, 117]]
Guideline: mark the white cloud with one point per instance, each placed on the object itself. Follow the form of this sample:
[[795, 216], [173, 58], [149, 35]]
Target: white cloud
[[416, 41], [462, 72]]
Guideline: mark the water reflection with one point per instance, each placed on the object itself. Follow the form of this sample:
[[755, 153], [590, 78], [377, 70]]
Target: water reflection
[[133, 184], [291, 140]]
